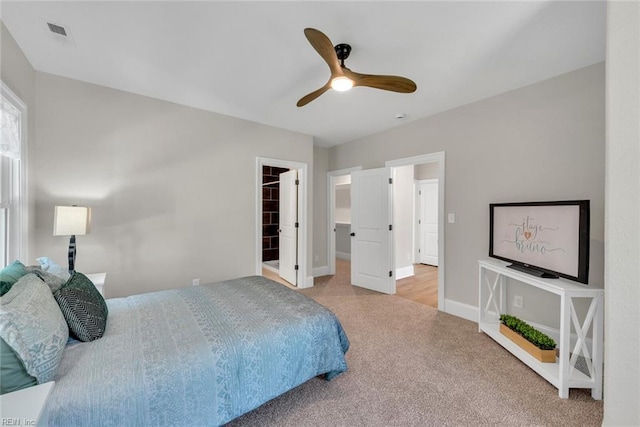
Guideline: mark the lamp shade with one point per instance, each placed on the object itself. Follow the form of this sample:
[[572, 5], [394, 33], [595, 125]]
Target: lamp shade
[[71, 220]]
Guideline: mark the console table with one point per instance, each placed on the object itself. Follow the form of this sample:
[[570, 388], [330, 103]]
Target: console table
[[563, 373]]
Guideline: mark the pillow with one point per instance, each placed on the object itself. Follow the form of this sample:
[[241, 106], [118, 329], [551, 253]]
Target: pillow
[[10, 275], [12, 372], [50, 266], [33, 326], [54, 282], [83, 308]]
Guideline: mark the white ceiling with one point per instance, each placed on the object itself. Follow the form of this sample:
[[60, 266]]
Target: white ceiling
[[251, 59]]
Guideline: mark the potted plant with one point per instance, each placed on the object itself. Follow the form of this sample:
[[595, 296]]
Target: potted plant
[[539, 345]]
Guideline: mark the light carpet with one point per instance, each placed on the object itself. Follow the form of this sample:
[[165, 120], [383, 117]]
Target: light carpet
[[411, 365]]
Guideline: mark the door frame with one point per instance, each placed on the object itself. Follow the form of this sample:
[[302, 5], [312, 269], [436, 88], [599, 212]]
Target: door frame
[[438, 158], [331, 207], [304, 281]]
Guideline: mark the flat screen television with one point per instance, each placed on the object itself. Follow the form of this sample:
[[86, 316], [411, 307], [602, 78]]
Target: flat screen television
[[546, 239]]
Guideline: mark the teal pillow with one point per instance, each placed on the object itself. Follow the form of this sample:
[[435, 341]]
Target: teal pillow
[[13, 375], [83, 307], [10, 275]]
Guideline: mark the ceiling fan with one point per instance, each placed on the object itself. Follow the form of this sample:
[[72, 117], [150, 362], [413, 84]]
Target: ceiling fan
[[342, 78]]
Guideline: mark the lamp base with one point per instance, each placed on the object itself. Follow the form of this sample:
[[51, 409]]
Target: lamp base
[[72, 253]]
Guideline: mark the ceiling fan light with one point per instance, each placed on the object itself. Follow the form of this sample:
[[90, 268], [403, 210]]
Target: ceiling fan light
[[341, 84]]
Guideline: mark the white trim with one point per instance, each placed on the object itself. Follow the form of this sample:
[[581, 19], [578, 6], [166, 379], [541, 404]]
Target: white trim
[[270, 268], [439, 158], [331, 202], [23, 217], [308, 283], [343, 255], [303, 280], [320, 271], [403, 272], [466, 311]]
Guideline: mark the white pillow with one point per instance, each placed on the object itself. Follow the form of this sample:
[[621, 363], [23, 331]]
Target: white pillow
[[50, 266], [32, 324]]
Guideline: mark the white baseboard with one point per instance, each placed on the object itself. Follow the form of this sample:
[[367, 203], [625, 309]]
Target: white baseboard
[[343, 255], [466, 311], [320, 271], [306, 283], [403, 272], [272, 269]]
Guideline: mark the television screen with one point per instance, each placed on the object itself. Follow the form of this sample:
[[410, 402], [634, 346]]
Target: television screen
[[551, 238]]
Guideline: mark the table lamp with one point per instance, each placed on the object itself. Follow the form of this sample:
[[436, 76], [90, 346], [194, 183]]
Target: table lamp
[[71, 221]]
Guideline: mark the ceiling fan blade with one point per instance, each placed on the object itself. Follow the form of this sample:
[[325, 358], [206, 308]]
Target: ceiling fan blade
[[324, 47], [313, 95], [392, 83]]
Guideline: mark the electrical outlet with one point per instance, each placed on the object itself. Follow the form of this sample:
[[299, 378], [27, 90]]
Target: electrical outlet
[[451, 218], [518, 301], [195, 282]]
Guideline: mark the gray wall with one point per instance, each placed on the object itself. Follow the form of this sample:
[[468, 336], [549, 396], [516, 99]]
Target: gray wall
[[403, 217], [343, 241], [426, 171], [17, 73], [541, 142], [173, 189], [622, 293]]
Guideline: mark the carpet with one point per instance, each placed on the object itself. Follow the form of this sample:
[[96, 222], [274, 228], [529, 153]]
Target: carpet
[[411, 365]]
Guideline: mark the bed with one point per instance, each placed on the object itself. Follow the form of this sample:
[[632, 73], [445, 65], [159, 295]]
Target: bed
[[196, 356]]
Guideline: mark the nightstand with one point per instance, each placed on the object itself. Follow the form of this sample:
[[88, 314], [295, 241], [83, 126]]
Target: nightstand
[[26, 406], [98, 280]]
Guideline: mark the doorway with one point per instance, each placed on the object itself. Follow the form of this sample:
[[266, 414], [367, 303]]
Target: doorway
[[271, 217], [420, 259], [281, 221], [435, 162], [339, 216]]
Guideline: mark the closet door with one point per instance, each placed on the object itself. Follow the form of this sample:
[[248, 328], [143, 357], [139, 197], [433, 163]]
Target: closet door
[[429, 222], [288, 226]]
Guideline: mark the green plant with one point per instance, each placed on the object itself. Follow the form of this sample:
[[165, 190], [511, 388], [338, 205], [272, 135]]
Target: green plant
[[528, 332]]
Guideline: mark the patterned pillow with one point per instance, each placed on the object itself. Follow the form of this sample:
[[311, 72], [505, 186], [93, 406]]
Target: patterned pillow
[[83, 308], [33, 326]]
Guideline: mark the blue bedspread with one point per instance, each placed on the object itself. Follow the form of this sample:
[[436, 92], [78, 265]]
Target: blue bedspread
[[196, 356]]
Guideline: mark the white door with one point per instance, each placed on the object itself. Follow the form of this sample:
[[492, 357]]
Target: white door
[[288, 226], [429, 222], [371, 248]]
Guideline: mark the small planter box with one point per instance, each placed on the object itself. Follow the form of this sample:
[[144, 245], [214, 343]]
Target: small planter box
[[546, 356]]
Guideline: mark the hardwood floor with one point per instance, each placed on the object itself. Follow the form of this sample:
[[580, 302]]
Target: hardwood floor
[[422, 287], [275, 277]]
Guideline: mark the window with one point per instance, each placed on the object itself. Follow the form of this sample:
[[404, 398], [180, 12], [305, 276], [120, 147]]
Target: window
[[12, 178]]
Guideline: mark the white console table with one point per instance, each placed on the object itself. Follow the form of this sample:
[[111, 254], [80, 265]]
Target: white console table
[[562, 374]]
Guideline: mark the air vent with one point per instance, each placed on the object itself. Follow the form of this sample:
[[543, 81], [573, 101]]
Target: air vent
[[57, 29]]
